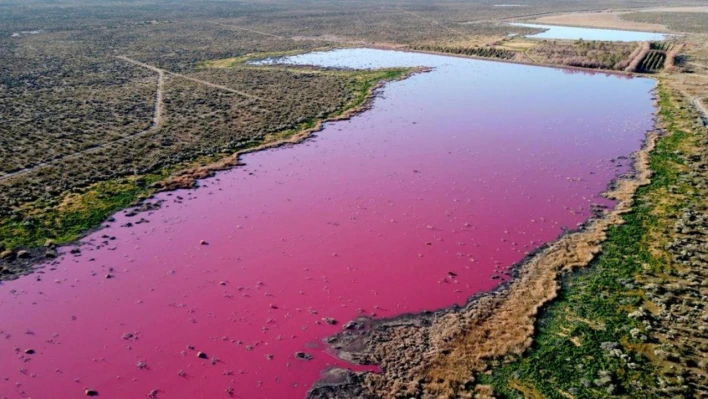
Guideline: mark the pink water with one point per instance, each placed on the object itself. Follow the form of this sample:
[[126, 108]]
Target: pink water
[[461, 170]]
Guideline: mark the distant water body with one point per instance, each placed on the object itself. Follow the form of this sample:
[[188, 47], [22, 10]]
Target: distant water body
[[574, 33]]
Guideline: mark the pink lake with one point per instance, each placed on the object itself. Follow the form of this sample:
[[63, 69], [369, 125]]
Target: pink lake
[[463, 169]]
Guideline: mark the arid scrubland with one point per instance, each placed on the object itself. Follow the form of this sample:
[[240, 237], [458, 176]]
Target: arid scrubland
[[75, 113], [588, 54], [691, 22], [84, 133]]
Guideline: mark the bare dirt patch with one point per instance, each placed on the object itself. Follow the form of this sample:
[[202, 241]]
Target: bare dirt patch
[[678, 9], [604, 19], [613, 19]]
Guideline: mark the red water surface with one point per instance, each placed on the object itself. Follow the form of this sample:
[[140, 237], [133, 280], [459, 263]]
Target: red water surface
[[461, 170]]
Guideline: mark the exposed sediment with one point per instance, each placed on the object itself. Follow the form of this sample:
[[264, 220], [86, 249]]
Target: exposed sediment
[[435, 354]]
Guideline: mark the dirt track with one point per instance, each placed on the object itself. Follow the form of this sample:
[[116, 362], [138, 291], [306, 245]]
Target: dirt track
[[214, 85], [249, 30]]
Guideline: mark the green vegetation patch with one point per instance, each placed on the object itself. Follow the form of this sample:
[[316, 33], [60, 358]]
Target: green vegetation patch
[[78, 213]]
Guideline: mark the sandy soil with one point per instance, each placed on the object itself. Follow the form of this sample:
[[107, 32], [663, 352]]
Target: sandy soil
[[677, 9], [613, 19], [605, 19]]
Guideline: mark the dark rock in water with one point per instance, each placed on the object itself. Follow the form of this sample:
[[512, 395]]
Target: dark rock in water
[[329, 320], [30, 351], [202, 355], [50, 254], [303, 356], [338, 383], [91, 392], [150, 206], [75, 251], [354, 325]]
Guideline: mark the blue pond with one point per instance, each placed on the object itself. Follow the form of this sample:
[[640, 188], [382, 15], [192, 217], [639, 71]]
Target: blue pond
[[573, 33]]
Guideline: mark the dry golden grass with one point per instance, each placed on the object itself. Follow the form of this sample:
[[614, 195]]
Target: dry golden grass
[[472, 41], [518, 44]]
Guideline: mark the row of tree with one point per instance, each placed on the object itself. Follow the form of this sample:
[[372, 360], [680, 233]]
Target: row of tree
[[486, 51]]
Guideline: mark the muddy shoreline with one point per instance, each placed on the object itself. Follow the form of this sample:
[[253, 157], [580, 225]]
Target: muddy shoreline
[[436, 353]]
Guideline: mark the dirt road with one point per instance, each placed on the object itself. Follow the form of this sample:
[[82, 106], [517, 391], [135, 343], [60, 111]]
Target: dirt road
[[214, 85]]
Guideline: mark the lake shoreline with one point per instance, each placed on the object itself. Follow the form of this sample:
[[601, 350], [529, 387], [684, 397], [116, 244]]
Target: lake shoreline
[[25, 261], [417, 347]]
